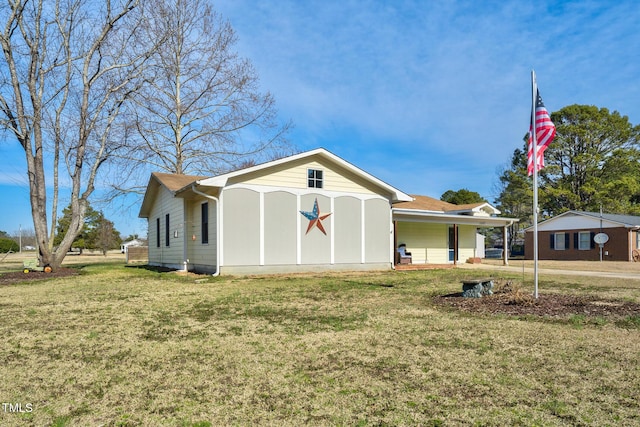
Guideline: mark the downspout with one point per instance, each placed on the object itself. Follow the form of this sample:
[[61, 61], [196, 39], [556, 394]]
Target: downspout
[[218, 249], [185, 242]]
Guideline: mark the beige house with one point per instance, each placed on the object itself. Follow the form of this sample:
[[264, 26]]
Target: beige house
[[312, 211]]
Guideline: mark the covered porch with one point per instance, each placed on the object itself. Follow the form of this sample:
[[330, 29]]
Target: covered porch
[[443, 238]]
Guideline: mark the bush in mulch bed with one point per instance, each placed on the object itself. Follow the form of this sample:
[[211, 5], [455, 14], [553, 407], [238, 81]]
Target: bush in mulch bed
[[511, 299]]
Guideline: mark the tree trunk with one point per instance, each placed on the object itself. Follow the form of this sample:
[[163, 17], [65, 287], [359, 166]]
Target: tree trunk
[[49, 49]]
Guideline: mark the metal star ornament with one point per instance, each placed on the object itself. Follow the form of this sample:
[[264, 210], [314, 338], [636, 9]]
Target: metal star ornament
[[315, 219]]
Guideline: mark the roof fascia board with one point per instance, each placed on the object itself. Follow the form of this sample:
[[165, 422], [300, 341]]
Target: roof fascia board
[[221, 180], [604, 219], [144, 208], [424, 216], [579, 214]]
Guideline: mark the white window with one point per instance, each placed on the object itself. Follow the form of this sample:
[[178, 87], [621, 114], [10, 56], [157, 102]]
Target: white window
[[559, 242], [584, 240], [314, 178]]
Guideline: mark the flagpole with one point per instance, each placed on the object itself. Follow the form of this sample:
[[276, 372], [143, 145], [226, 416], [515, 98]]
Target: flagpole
[[535, 183]]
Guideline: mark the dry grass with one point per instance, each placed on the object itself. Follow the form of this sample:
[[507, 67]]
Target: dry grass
[[13, 261], [124, 346]]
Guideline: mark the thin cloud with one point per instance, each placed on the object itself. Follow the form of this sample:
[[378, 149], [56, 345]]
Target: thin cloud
[[440, 76], [434, 95]]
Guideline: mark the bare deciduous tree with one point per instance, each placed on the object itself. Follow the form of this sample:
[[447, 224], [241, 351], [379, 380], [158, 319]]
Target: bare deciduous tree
[[67, 70], [201, 110], [144, 82]]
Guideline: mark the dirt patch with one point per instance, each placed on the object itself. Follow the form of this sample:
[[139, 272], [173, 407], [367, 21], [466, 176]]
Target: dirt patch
[[508, 300], [19, 276]]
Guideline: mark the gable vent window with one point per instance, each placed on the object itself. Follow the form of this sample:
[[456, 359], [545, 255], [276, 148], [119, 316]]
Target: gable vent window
[[314, 178]]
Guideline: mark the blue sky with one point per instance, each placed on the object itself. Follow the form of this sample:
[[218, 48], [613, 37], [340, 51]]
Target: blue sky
[[425, 95]]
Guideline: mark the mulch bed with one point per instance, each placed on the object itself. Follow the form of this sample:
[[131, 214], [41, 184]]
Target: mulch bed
[[547, 305], [19, 276]]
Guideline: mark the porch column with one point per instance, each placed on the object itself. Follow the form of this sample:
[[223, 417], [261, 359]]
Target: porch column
[[505, 246], [455, 244], [395, 242]]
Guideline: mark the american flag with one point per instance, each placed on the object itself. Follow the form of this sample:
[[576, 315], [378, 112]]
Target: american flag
[[545, 132]]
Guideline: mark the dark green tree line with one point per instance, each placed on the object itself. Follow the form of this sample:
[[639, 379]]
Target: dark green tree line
[[593, 161]]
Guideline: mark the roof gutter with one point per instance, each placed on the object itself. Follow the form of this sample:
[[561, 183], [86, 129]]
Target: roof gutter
[[215, 199], [425, 216]]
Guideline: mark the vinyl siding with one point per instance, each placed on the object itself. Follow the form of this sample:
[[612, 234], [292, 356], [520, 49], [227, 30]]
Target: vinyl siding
[[315, 245], [377, 231], [574, 222], [428, 243], [466, 242], [172, 255], [280, 216], [348, 230], [241, 236], [294, 175], [201, 254]]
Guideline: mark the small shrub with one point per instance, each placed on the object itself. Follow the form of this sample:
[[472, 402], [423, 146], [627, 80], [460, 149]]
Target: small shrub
[[8, 245], [514, 293]]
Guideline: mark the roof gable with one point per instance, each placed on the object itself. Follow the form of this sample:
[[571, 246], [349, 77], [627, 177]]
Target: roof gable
[[275, 173], [170, 181], [575, 220], [627, 220], [174, 182]]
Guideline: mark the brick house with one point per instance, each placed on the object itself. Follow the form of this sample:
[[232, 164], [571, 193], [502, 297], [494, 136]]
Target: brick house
[[569, 236]]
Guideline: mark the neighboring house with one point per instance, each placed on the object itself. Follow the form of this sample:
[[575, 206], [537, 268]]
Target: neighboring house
[[569, 236], [124, 247], [312, 211]]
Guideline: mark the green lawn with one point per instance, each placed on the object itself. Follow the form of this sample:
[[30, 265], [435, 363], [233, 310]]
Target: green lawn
[[128, 346]]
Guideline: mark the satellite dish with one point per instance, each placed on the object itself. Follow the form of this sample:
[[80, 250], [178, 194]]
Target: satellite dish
[[601, 238]]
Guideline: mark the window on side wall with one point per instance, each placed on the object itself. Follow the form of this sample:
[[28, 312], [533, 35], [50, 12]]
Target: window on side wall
[[205, 223], [584, 240], [157, 232], [314, 178], [559, 241]]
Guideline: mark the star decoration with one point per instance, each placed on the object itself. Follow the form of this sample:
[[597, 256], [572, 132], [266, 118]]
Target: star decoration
[[315, 219]]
